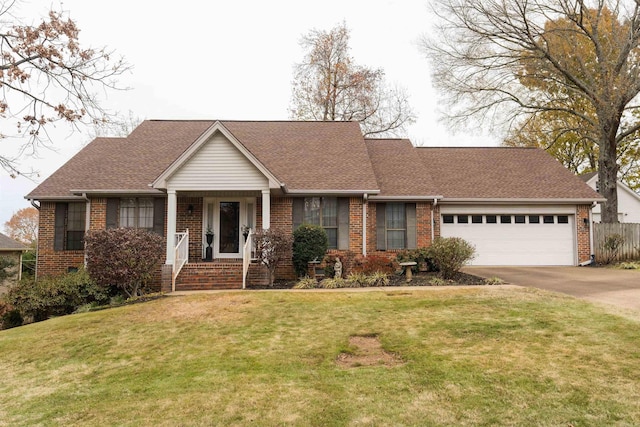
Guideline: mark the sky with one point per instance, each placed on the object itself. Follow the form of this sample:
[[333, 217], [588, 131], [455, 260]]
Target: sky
[[234, 60]]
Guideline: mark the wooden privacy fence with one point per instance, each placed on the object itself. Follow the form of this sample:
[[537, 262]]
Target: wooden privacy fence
[[628, 250]]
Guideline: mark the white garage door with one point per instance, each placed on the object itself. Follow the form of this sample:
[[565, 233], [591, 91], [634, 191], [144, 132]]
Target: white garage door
[[515, 239]]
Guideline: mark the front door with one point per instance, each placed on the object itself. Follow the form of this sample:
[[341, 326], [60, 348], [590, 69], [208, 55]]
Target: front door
[[229, 228], [226, 217]]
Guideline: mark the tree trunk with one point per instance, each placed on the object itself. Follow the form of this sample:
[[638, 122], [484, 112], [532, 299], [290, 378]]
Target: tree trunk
[[608, 174]]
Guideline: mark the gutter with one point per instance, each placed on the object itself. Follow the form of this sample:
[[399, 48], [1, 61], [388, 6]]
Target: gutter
[[484, 201]]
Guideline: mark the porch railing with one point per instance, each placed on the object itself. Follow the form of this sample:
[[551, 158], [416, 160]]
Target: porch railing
[[181, 255], [247, 251]]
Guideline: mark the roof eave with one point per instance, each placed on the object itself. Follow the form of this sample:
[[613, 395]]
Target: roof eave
[[329, 192], [384, 198], [532, 201]]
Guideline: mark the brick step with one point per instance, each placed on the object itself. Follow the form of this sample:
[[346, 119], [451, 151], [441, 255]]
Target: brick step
[[217, 275]]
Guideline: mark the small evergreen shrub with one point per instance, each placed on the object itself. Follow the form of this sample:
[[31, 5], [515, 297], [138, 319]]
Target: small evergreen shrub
[[310, 243], [438, 281], [333, 283], [450, 254], [55, 296], [357, 280]]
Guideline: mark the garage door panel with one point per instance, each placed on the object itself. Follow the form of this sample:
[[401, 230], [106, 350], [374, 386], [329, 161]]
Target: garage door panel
[[518, 244]]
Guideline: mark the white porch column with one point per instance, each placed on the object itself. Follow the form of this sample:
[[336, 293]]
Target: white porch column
[[172, 204], [266, 209]]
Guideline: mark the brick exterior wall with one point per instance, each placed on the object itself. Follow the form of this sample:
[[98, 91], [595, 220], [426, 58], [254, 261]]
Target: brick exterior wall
[[583, 229], [51, 262], [228, 274]]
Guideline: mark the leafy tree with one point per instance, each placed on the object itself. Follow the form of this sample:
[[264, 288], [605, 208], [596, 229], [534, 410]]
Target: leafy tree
[[328, 85], [23, 226], [123, 257], [272, 247], [47, 76], [524, 61]]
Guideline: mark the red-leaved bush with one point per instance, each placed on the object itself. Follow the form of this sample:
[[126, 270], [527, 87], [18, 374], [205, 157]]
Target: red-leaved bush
[[123, 257]]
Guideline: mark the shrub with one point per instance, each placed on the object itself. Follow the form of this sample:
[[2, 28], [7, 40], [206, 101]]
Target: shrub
[[309, 243], [629, 266], [374, 263], [611, 247], [306, 283], [272, 246], [356, 280], [6, 266], [450, 254], [420, 256], [378, 279], [493, 281], [9, 316], [438, 281], [123, 257], [333, 283], [54, 296]]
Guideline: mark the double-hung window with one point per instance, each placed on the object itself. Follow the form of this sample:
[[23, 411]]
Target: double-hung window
[[396, 226], [146, 213], [330, 213], [69, 226]]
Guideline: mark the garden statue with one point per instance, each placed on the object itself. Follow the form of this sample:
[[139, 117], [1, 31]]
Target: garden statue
[[337, 269]]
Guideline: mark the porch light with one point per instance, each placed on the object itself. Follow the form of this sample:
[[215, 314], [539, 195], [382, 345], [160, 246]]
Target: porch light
[[190, 209]]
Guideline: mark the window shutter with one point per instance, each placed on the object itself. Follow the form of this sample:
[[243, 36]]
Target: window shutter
[[412, 235], [60, 221], [158, 216], [343, 223], [298, 212], [381, 226], [113, 206]]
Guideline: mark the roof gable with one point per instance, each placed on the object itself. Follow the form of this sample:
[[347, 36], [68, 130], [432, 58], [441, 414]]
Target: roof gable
[[8, 244]]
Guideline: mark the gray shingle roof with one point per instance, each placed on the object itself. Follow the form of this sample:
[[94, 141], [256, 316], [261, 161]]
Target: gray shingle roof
[[322, 156], [8, 244]]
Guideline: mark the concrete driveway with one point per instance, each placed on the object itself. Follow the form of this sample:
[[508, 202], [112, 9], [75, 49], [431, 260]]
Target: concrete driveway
[[604, 285]]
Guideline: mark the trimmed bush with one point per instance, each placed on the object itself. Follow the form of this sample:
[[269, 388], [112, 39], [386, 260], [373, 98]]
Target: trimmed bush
[[420, 256], [54, 296], [309, 243], [373, 264], [450, 254], [123, 257]]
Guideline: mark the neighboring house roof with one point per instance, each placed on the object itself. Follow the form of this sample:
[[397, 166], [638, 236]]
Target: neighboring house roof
[[317, 157], [7, 244], [586, 177]]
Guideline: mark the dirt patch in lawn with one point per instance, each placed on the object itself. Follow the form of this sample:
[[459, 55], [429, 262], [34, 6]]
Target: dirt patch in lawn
[[367, 351]]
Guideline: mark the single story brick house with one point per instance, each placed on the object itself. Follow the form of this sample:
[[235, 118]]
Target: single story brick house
[[518, 206]]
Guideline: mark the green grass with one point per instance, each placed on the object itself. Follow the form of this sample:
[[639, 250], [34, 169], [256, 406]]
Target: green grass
[[475, 356]]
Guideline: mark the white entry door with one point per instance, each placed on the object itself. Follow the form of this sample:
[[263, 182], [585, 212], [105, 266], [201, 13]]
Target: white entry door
[[227, 217]]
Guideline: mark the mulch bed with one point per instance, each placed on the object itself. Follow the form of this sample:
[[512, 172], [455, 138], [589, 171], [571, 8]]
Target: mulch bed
[[419, 279]]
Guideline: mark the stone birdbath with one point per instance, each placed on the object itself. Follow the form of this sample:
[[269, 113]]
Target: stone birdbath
[[407, 268]]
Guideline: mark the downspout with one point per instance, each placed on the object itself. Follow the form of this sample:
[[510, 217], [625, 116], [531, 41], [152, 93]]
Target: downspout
[[35, 270], [87, 220], [433, 220], [591, 250], [365, 198]]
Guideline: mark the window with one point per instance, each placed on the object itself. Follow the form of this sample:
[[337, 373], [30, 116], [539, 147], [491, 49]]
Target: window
[[136, 213], [69, 226], [447, 219], [519, 219], [476, 219], [548, 219], [534, 219], [491, 219], [505, 219], [327, 212], [563, 219], [396, 226], [463, 219]]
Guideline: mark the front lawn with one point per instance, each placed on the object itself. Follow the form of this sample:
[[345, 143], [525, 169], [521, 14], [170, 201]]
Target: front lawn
[[439, 356]]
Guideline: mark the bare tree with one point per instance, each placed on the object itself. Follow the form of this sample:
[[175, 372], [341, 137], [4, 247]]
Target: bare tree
[[46, 77], [509, 60], [328, 85]]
